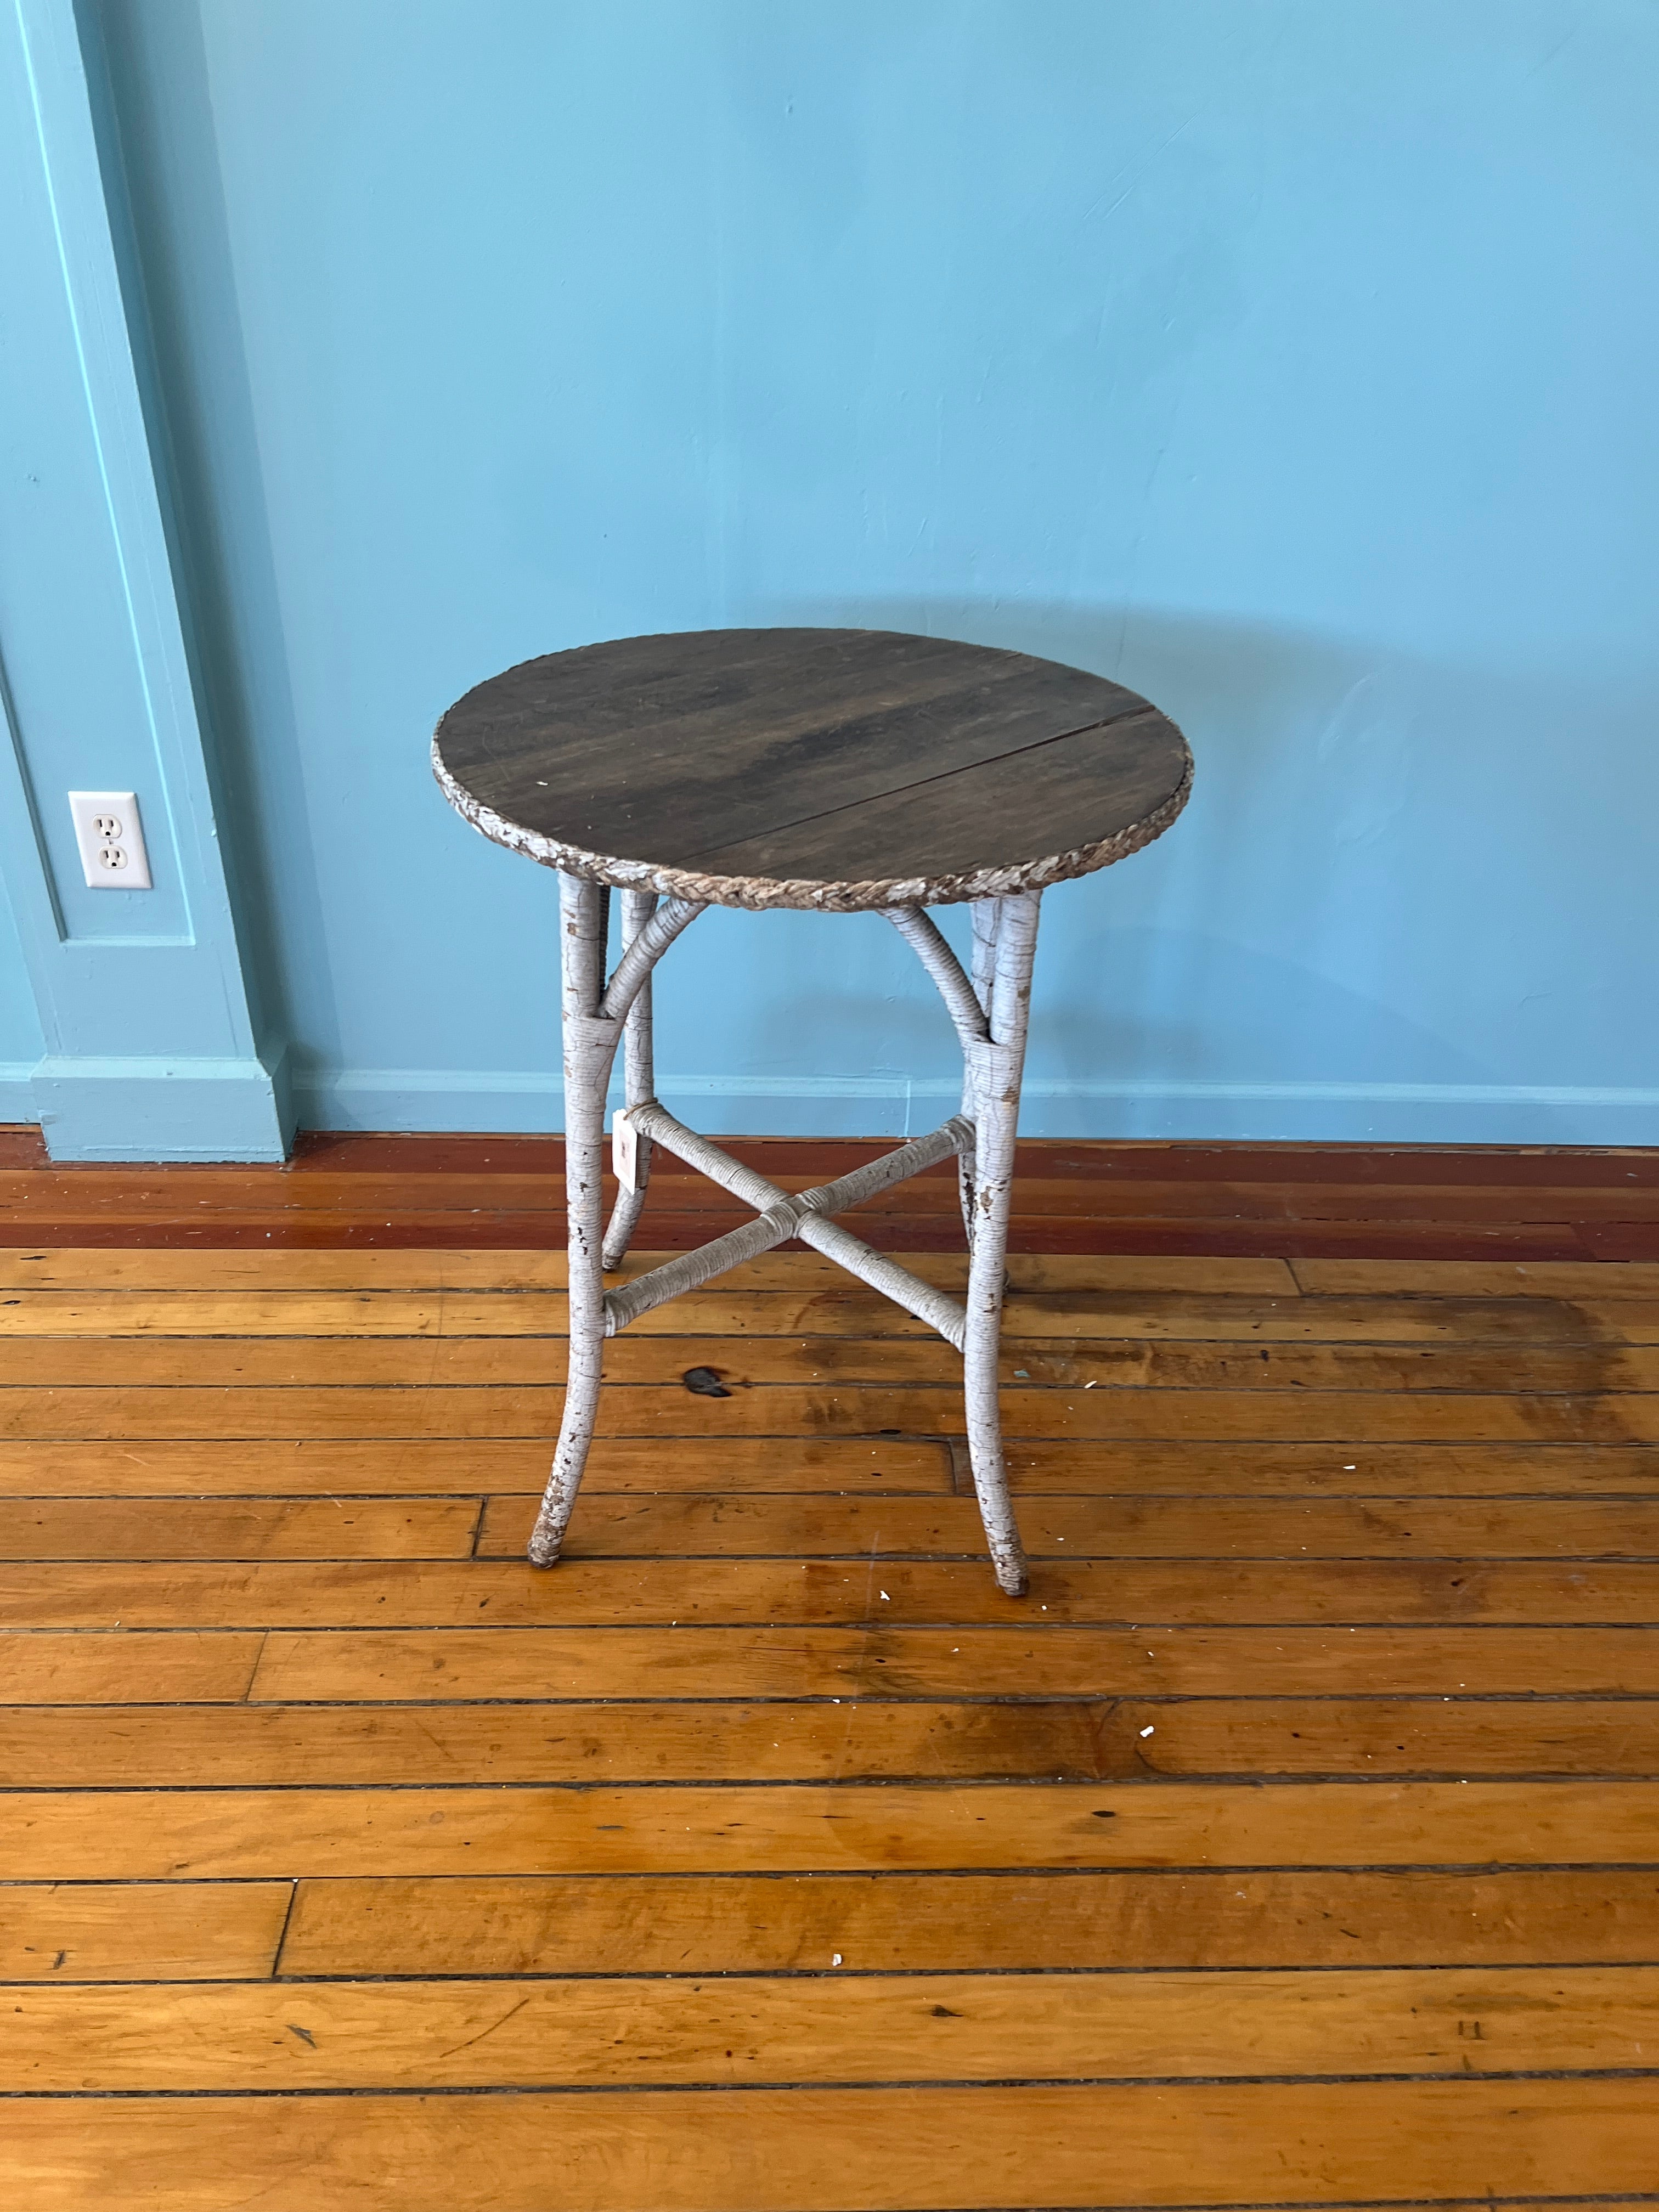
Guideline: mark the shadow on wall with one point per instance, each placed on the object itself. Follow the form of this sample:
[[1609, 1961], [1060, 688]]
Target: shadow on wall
[[1361, 826]]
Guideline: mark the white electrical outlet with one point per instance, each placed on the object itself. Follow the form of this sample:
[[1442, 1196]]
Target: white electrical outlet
[[112, 840]]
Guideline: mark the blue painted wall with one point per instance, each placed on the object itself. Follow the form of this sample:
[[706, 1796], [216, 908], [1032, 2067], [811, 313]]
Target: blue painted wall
[[22, 1043], [1294, 361], [127, 1026]]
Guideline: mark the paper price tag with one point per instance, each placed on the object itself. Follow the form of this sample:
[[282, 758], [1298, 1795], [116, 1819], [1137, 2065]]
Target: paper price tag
[[624, 1151]]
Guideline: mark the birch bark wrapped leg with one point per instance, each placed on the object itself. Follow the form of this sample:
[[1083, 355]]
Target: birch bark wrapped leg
[[983, 915], [590, 1048], [997, 1065], [639, 1086]]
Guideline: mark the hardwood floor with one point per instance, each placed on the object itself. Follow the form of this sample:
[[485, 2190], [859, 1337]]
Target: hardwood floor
[[1296, 1842], [505, 1193]]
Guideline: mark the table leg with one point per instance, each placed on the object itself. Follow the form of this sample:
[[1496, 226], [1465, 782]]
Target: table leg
[[638, 1082], [983, 914], [590, 1046], [995, 1068]]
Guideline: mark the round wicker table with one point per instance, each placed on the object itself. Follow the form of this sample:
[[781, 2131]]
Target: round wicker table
[[839, 771]]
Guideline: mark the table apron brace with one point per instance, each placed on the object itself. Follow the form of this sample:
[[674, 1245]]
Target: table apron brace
[[990, 1012]]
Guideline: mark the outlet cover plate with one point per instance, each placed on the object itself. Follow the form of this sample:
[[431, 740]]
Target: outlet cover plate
[[111, 839]]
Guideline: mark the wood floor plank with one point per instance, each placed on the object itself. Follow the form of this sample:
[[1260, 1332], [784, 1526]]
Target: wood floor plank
[[1453, 1736], [254, 1413], [306, 1192], [199, 1192], [1618, 1241], [1315, 1318], [92, 1528], [181, 1746], [468, 1663], [1159, 1158], [1071, 1527], [1178, 1316], [176, 1191], [1077, 1740], [826, 1309], [210, 1834], [1065, 1234], [728, 2034], [140, 1932], [829, 1310], [1401, 1471], [947, 2149], [383, 1467], [329, 1468], [787, 1594], [141, 1363], [969, 1923], [1478, 1279], [113, 1665], [25, 1267]]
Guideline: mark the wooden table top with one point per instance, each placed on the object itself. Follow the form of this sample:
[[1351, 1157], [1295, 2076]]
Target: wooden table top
[[829, 768]]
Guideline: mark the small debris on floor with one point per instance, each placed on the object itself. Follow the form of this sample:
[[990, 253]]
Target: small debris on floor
[[704, 1383]]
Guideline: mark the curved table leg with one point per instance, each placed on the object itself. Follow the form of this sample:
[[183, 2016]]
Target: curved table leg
[[595, 1018], [590, 1047], [995, 1069]]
